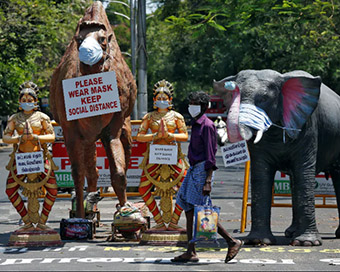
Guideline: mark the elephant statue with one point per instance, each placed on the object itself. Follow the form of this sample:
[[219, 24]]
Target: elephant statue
[[94, 49], [291, 123]]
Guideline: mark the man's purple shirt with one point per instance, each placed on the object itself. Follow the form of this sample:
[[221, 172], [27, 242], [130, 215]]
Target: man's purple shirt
[[203, 143]]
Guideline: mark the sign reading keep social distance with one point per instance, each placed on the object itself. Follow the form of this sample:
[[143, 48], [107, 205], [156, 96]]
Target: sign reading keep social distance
[[91, 95], [163, 154]]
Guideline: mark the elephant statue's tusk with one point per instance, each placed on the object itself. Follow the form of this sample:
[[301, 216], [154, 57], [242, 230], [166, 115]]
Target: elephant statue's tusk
[[259, 135]]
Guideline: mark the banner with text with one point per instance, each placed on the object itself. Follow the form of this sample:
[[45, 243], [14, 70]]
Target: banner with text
[[163, 154], [322, 185], [235, 153], [29, 162], [64, 177], [91, 95]]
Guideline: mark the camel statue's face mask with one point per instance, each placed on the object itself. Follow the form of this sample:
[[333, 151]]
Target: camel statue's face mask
[[90, 51]]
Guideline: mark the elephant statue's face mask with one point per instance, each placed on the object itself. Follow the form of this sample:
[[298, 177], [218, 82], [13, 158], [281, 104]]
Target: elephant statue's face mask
[[254, 117]]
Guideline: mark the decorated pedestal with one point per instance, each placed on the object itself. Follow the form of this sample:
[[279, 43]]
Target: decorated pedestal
[[34, 233], [35, 238], [164, 238]]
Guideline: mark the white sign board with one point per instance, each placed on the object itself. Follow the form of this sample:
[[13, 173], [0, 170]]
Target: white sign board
[[134, 130], [163, 154], [58, 132], [91, 95], [322, 185], [235, 153], [30, 162]]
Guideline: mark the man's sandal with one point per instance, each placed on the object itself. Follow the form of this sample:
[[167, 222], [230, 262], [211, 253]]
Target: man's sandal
[[182, 259], [232, 251]]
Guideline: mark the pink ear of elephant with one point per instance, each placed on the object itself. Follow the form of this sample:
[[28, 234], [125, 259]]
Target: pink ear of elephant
[[300, 98]]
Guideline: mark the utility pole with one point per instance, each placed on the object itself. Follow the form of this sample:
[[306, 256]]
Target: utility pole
[[138, 36], [133, 39], [142, 61]]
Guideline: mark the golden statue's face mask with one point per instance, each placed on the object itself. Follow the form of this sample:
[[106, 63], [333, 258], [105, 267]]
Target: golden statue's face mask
[[162, 101]]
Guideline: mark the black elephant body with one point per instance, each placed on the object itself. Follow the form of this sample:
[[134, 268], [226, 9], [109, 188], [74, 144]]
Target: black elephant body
[[301, 138]]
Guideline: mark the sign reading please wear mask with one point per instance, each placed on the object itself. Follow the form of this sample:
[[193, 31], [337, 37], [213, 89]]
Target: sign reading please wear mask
[[91, 95]]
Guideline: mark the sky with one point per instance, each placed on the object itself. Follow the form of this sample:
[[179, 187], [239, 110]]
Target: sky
[[149, 6]]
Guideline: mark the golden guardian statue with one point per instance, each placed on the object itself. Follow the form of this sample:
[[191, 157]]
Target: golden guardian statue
[[167, 128], [29, 131]]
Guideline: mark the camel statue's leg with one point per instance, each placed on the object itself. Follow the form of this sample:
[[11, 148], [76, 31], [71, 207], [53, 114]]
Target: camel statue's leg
[[75, 150], [90, 158], [116, 156], [126, 140], [117, 144]]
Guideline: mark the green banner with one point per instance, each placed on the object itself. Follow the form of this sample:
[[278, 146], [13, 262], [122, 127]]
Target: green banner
[[282, 187], [64, 179]]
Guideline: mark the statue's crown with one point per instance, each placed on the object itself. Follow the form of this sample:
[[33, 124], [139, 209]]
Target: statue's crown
[[29, 86], [163, 86]]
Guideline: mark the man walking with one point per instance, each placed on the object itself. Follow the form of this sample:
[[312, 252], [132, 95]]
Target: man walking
[[197, 183]]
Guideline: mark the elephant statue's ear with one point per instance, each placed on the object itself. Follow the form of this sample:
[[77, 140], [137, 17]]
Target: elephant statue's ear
[[219, 88], [300, 98]]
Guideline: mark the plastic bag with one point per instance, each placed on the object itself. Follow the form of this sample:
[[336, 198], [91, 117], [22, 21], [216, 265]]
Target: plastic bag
[[205, 221], [76, 228], [128, 218]]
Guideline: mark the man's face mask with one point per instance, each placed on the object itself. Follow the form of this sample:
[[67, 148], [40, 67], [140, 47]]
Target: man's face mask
[[90, 51], [194, 110]]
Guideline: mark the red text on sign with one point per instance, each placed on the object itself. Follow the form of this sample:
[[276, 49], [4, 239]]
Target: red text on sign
[[64, 163], [88, 82], [90, 99]]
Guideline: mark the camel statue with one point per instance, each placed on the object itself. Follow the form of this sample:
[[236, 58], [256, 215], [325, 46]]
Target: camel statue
[[95, 35]]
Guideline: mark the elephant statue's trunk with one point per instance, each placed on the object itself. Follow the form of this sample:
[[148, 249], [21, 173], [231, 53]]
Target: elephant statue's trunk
[[232, 120]]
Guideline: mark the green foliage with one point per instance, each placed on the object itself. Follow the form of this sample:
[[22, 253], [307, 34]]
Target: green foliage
[[117, 13], [33, 36], [211, 39], [189, 42]]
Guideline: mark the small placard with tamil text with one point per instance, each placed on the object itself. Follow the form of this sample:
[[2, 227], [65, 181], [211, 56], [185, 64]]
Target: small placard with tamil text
[[235, 153], [29, 162]]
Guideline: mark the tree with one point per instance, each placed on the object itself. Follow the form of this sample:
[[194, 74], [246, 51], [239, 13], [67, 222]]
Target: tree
[[211, 39], [118, 15], [33, 37]]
